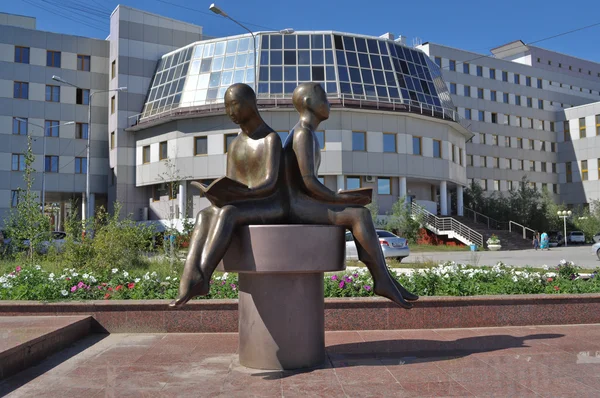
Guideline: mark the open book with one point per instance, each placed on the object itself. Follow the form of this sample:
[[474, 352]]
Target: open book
[[222, 191], [368, 192]]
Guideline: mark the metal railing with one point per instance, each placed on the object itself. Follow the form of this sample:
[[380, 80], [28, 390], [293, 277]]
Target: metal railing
[[447, 224], [520, 228], [483, 219]]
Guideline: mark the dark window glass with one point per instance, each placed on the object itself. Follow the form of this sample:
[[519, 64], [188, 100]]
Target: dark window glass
[[317, 41], [22, 55], [317, 57], [349, 43], [275, 42], [289, 42], [289, 57], [318, 73], [276, 57], [51, 164], [339, 43], [276, 73], [304, 73], [389, 143], [361, 44], [359, 141], [289, 73]]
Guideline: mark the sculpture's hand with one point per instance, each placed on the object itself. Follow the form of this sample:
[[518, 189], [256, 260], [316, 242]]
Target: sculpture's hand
[[354, 199]]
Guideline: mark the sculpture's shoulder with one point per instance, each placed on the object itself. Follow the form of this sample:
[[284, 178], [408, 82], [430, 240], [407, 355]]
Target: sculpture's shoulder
[[298, 134]]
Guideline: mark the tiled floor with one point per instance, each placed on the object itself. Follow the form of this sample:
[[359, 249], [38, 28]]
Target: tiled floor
[[548, 361]]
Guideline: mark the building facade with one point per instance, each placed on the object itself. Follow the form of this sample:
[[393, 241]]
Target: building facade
[[418, 123]]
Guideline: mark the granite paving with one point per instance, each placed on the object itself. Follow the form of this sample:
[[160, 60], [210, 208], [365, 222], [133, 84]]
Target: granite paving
[[534, 361]]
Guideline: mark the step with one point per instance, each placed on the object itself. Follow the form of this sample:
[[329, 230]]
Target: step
[[27, 340]]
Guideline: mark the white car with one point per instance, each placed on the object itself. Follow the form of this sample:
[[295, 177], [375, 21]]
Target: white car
[[391, 245], [575, 237]]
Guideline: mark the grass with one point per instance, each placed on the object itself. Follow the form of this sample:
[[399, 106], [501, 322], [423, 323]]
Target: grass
[[437, 248]]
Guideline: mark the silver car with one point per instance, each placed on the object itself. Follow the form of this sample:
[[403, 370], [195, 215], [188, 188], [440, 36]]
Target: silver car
[[391, 245], [596, 249]]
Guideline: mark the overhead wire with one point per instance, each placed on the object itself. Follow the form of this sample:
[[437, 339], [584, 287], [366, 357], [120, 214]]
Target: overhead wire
[[62, 15]]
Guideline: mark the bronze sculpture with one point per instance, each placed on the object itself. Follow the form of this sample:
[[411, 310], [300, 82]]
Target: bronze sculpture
[[267, 185]]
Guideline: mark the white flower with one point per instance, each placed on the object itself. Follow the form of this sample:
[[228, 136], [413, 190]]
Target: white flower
[[515, 279], [563, 262], [115, 270], [75, 274], [92, 279], [153, 274], [545, 267], [146, 277], [6, 285], [136, 280], [225, 275], [168, 278], [85, 276], [51, 275], [125, 274], [64, 292], [38, 267]]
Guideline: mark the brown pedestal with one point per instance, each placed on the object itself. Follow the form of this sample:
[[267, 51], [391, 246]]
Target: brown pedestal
[[281, 305]]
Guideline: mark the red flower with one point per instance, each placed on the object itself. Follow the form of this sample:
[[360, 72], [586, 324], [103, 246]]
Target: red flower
[[549, 279], [556, 288], [68, 279], [130, 285], [119, 287], [106, 296], [110, 289], [103, 283]]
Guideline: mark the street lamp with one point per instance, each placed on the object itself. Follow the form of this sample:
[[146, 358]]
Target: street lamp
[[44, 155], [213, 7], [564, 215], [86, 214]]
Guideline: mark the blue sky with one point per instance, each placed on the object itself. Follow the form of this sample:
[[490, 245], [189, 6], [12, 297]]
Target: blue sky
[[473, 25]]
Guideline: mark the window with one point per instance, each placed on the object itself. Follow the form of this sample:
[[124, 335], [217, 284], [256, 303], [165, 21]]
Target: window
[[494, 118], [112, 140], [552, 126], [14, 198], [452, 88], [461, 158], [554, 167], [83, 62], [528, 81], [555, 188], [51, 128], [480, 93], [21, 90], [228, 140], [389, 142], [53, 58], [21, 55], [504, 76], [321, 179], [542, 145], [495, 139], [517, 79], [321, 138], [584, 170], [453, 149], [18, 162], [200, 145], [544, 168], [480, 71], [384, 186], [416, 141], [485, 185], [484, 161], [19, 126], [163, 150], [283, 135], [492, 73], [51, 164], [80, 165], [470, 160], [466, 68], [529, 102], [519, 142], [597, 124], [539, 83], [452, 65], [437, 148], [519, 121], [521, 164], [553, 147], [517, 100], [581, 127], [467, 91], [52, 93], [482, 139], [481, 116], [352, 182], [507, 142], [468, 114], [496, 163], [81, 130], [510, 164], [496, 185], [359, 141], [438, 61], [146, 154], [569, 172], [493, 95], [112, 104], [82, 96], [532, 165], [505, 98], [566, 130], [113, 69], [531, 144], [540, 104]]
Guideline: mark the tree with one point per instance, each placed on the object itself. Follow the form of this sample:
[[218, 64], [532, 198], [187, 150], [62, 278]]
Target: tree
[[402, 222], [26, 225], [587, 220], [373, 208]]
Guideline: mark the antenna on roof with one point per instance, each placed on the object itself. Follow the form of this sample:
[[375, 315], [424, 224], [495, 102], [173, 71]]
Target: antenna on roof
[[417, 41]]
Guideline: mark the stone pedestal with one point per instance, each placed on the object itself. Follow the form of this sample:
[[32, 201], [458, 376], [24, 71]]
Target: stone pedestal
[[281, 304]]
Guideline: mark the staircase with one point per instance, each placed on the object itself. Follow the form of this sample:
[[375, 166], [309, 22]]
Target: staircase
[[513, 236], [448, 226]]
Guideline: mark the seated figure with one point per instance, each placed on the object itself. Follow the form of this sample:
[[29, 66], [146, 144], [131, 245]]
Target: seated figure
[[250, 193], [310, 202]]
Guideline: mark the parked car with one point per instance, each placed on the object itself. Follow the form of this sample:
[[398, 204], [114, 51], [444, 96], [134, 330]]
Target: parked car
[[56, 239], [575, 237], [392, 246], [596, 249], [596, 238], [556, 238]]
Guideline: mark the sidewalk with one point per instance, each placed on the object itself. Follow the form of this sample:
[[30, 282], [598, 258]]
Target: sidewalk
[[546, 361]]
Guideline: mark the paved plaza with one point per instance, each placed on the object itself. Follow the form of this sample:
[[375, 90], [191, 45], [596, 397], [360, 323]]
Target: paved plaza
[[540, 361], [580, 255]]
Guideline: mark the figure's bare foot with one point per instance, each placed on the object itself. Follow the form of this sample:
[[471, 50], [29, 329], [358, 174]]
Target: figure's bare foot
[[408, 296], [389, 290], [192, 284]]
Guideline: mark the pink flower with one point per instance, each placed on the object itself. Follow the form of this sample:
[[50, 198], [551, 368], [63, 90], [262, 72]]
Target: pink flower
[[80, 285], [99, 287], [130, 285], [367, 288], [334, 278], [18, 269], [233, 287], [342, 283], [74, 288], [106, 296]]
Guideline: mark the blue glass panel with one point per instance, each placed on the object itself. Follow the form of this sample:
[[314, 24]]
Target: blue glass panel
[[379, 78], [383, 48], [316, 41], [304, 73], [361, 44], [303, 57], [206, 64], [367, 76], [263, 74], [331, 88], [373, 47], [229, 62], [289, 42], [349, 43], [327, 41], [375, 61], [232, 46], [238, 76], [317, 57], [381, 91], [318, 73], [250, 75], [217, 64], [330, 72], [343, 72], [329, 57], [289, 57], [364, 60], [345, 88], [263, 88], [303, 42], [355, 75], [265, 42], [276, 42], [240, 60], [264, 57], [276, 73], [352, 58], [276, 57], [290, 73], [288, 88], [276, 88], [226, 78], [357, 89], [243, 44], [393, 92], [341, 58]]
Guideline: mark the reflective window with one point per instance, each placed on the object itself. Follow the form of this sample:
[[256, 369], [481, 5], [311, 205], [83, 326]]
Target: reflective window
[[359, 141], [352, 182], [389, 142], [437, 148], [384, 186]]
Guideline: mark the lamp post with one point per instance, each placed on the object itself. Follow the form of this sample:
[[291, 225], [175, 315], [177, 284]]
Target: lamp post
[[44, 153], [564, 215], [86, 214], [213, 7]]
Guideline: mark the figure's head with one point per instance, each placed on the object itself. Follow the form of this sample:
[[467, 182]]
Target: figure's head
[[240, 103], [311, 97]]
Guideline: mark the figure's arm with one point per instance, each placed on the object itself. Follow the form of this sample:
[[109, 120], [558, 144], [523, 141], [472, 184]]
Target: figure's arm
[[272, 154], [303, 146]]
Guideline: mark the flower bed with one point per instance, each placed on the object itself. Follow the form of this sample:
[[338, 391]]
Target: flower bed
[[449, 279]]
